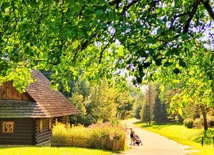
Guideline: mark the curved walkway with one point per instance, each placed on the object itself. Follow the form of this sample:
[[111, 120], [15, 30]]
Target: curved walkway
[[154, 144]]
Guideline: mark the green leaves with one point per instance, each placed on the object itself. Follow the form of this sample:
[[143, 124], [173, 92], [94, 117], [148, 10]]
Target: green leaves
[[96, 38], [182, 63], [4, 6], [185, 36], [158, 61], [167, 64], [151, 40], [176, 70]]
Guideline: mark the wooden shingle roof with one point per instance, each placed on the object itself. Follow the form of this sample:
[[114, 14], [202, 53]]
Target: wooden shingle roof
[[46, 102], [20, 109], [53, 102]]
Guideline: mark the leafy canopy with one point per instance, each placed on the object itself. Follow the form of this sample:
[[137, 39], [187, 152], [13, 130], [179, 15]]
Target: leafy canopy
[[97, 37]]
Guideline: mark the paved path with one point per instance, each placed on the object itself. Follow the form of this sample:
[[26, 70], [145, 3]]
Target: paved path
[[154, 144]]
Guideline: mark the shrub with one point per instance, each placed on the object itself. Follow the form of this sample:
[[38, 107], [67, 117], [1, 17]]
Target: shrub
[[107, 136], [63, 135], [58, 134], [188, 123], [101, 136]]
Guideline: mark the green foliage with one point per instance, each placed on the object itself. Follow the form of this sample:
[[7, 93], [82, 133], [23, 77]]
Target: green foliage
[[138, 98], [159, 110], [137, 111], [160, 114], [150, 41], [100, 103], [189, 101], [188, 123], [100, 136], [124, 105], [153, 109], [208, 136], [44, 36], [145, 114], [102, 106]]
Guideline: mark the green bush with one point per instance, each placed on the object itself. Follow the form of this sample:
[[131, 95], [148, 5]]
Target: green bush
[[101, 136], [188, 123]]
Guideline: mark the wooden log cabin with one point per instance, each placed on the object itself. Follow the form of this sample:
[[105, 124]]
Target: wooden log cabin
[[27, 118]]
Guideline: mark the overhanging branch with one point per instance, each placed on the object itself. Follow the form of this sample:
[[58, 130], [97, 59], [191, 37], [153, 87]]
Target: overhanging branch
[[191, 15], [129, 5], [208, 8]]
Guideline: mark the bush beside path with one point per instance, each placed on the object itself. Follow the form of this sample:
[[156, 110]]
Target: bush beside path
[[154, 144]]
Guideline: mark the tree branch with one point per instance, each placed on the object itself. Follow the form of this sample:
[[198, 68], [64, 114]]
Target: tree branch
[[191, 14], [117, 2], [129, 5], [105, 47], [208, 8], [183, 14]]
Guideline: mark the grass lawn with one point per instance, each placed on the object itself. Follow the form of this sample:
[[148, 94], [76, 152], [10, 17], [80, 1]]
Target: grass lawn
[[39, 150], [183, 135]]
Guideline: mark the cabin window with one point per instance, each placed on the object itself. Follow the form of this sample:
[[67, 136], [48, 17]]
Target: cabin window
[[8, 126], [40, 125]]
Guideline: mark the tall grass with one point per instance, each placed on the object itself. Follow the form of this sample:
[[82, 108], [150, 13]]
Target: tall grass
[[100, 136]]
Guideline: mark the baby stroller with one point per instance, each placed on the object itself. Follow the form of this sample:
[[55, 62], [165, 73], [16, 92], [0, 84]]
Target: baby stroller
[[136, 140]]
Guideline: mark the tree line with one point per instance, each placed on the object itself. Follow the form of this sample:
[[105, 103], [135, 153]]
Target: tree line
[[161, 106]]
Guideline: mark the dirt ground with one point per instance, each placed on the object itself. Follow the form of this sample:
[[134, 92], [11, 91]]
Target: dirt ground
[[154, 144]]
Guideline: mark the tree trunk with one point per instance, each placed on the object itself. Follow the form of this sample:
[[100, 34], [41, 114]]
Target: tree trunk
[[204, 114]]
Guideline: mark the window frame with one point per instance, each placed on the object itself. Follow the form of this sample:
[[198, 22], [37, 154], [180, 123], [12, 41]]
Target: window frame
[[11, 129]]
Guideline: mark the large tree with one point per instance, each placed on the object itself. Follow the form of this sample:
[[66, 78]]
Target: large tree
[[195, 83], [98, 37]]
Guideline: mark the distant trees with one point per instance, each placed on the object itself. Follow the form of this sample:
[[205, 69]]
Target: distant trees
[[102, 107], [159, 110], [138, 103], [166, 104], [148, 103], [100, 103], [184, 104], [124, 104], [148, 106]]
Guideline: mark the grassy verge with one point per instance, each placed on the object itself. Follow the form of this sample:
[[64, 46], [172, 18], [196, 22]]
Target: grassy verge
[[33, 150], [183, 135]]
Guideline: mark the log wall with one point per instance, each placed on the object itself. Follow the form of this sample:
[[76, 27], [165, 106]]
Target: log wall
[[23, 132], [44, 135], [28, 131]]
